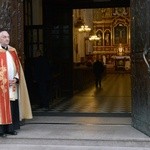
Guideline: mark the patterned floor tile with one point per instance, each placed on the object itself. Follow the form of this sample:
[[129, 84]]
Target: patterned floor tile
[[113, 97]]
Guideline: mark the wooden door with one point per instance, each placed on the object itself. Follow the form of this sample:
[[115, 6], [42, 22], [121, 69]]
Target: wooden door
[[57, 23]]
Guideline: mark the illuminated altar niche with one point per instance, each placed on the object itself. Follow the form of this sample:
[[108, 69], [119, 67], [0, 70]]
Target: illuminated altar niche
[[114, 22]]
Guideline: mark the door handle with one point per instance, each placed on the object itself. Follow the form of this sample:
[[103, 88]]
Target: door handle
[[146, 51]]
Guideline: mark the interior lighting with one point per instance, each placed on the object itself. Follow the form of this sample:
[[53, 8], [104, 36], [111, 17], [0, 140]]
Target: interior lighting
[[94, 38], [84, 28]]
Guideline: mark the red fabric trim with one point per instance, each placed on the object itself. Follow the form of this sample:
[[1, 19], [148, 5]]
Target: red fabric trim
[[5, 110]]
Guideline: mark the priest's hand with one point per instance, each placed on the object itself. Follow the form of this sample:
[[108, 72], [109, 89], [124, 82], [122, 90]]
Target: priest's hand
[[11, 82]]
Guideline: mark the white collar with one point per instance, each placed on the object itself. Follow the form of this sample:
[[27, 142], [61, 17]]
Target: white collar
[[2, 48]]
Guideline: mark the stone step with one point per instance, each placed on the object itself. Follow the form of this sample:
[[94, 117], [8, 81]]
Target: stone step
[[65, 147], [83, 141], [72, 133]]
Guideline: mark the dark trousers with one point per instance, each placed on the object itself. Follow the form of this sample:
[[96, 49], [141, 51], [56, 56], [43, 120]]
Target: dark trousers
[[15, 119], [98, 79]]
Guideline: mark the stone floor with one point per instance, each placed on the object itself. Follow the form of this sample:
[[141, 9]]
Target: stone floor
[[113, 97]]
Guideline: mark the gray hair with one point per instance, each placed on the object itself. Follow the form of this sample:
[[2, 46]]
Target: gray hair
[[1, 32]]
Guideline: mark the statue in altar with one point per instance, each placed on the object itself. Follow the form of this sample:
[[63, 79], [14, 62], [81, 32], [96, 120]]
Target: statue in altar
[[120, 50]]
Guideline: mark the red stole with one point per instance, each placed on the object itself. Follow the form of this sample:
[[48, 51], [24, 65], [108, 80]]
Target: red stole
[[5, 109]]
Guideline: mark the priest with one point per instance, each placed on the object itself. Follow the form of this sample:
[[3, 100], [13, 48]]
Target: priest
[[14, 99]]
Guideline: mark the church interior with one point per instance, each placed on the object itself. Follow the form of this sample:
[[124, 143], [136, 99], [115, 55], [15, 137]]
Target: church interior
[[107, 36], [96, 32]]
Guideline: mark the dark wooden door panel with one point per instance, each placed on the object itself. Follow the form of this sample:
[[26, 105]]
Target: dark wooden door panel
[[140, 76]]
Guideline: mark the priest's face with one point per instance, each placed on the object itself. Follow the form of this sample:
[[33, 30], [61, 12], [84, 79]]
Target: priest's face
[[4, 38]]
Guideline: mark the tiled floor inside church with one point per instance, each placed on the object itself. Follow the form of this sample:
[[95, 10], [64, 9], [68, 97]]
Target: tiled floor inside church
[[113, 97]]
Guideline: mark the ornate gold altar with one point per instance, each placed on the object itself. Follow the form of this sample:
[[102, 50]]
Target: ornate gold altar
[[112, 26]]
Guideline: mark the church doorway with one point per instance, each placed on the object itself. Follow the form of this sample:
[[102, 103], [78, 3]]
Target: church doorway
[[59, 28], [72, 52]]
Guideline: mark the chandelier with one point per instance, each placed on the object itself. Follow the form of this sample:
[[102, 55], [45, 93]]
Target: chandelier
[[84, 28], [94, 38], [79, 22]]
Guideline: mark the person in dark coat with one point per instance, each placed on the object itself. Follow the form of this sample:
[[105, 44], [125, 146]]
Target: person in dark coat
[[98, 69]]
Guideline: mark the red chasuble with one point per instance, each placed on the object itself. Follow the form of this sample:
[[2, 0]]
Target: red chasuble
[[5, 109]]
